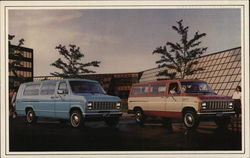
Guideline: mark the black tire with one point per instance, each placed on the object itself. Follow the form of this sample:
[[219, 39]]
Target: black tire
[[190, 120], [222, 122], [139, 117], [30, 116], [76, 120], [112, 121]]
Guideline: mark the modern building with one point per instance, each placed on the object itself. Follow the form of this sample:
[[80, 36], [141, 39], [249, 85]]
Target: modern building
[[25, 69], [222, 71]]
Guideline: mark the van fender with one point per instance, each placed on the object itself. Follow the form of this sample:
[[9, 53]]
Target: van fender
[[80, 107], [137, 107], [190, 107], [29, 106]]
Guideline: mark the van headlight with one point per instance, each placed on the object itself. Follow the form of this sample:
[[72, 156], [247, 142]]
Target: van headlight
[[90, 105], [118, 105], [204, 105], [230, 105]]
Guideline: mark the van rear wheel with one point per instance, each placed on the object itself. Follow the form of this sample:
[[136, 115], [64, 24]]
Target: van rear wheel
[[139, 117], [76, 120], [30, 116]]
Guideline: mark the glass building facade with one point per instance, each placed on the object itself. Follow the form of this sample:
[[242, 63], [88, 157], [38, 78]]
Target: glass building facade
[[222, 71]]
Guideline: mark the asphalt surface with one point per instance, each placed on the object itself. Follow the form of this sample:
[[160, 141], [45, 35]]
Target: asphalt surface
[[50, 135]]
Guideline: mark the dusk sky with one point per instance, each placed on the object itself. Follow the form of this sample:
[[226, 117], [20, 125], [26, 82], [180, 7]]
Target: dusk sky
[[122, 39]]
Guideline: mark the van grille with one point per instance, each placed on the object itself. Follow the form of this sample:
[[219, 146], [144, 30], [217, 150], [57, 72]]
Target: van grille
[[217, 105], [104, 105]]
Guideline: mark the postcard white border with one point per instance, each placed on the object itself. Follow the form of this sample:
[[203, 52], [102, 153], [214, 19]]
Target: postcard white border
[[244, 5]]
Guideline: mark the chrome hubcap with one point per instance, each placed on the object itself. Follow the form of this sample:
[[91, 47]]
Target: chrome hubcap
[[138, 116], [75, 120], [29, 116], [189, 120]]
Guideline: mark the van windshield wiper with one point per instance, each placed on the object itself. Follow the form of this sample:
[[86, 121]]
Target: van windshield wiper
[[92, 92], [97, 92]]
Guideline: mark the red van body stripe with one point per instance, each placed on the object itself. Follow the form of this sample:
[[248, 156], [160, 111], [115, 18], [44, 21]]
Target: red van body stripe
[[163, 114]]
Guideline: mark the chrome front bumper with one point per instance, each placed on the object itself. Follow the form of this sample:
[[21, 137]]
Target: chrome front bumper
[[216, 114], [102, 114]]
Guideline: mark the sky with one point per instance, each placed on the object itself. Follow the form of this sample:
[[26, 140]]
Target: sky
[[122, 39]]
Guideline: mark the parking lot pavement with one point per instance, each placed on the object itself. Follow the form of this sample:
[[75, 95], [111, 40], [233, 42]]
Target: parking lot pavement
[[50, 135]]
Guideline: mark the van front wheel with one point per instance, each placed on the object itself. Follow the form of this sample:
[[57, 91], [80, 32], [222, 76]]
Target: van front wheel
[[76, 119], [190, 119], [30, 116]]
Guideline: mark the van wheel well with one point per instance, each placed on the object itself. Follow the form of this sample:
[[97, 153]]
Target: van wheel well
[[74, 109], [26, 109], [188, 109], [137, 108]]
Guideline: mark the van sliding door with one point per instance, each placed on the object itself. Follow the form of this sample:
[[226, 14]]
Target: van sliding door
[[46, 100]]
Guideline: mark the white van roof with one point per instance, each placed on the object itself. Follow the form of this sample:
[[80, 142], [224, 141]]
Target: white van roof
[[59, 80]]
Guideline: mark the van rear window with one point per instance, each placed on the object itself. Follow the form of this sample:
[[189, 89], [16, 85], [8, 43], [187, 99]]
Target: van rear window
[[31, 89], [139, 90]]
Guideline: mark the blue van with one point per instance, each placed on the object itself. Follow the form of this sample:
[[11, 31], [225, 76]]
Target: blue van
[[75, 100]]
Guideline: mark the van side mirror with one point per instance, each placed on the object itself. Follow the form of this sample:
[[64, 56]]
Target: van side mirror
[[60, 91]]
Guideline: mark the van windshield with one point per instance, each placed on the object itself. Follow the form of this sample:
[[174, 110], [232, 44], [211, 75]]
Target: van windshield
[[86, 87], [196, 87]]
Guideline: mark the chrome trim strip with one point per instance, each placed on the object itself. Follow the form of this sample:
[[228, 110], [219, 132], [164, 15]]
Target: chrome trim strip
[[111, 113], [210, 113]]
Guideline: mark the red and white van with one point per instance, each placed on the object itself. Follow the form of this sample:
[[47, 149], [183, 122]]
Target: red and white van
[[189, 100]]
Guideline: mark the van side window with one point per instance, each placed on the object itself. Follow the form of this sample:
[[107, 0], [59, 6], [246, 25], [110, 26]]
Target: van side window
[[173, 88], [31, 89], [48, 88], [63, 87], [158, 89], [140, 90]]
